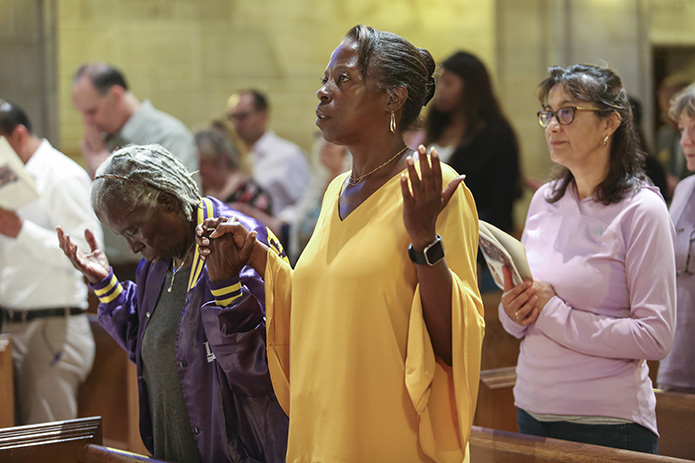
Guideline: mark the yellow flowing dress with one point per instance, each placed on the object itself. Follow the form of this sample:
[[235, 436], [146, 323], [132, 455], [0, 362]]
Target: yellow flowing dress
[[350, 356]]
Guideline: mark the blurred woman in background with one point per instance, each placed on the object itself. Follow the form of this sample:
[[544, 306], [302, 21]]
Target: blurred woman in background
[[471, 134], [677, 370], [223, 172]]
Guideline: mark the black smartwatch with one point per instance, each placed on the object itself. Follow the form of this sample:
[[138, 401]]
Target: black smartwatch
[[433, 253]]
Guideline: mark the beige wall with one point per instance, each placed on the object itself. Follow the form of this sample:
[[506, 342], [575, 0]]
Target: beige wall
[[27, 57], [187, 56]]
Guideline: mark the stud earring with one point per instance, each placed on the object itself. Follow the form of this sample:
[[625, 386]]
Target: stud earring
[[605, 140], [393, 123]]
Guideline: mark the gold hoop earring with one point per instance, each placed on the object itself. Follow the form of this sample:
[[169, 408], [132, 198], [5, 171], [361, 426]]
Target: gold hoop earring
[[605, 140], [392, 126]]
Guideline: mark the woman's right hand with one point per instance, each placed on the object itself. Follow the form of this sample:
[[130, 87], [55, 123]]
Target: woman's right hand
[[94, 265], [519, 302]]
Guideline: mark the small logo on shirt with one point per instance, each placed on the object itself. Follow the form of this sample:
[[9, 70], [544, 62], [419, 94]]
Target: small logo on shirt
[[211, 354], [597, 230]]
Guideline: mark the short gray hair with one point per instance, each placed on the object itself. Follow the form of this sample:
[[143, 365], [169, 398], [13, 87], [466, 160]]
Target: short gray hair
[[683, 101], [136, 174]]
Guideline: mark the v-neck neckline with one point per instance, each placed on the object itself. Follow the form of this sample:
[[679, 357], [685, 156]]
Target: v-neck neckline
[[367, 199]]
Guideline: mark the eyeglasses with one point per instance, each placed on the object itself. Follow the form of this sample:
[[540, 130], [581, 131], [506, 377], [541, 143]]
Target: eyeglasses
[[685, 271], [563, 116]]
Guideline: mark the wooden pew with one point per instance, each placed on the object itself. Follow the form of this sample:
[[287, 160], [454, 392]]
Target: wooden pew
[[92, 453], [57, 442], [6, 382], [495, 409], [110, 391], [500, 349], [675, 417], [675, 412], [71, 441], [490, 446]]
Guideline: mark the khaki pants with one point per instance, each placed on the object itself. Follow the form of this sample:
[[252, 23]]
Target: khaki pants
[[52, 356]]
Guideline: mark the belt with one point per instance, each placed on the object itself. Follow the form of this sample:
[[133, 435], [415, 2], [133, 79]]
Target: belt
[[27, 315]]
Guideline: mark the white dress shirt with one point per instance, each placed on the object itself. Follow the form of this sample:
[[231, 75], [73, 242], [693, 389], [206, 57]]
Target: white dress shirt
[[282, 169], [34, 272]]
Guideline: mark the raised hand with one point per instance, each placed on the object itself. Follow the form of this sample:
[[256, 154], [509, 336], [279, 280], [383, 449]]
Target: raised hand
[[423, 198], [93, 265]]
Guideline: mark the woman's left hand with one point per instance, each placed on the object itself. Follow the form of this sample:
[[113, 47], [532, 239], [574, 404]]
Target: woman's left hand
[[225, 245], [424, 199]]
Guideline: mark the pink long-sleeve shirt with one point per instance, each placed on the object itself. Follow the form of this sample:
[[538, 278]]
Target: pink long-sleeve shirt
[[613, 270]]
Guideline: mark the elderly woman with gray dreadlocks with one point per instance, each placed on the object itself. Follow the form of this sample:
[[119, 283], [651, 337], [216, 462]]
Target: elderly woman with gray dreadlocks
[[196, 336]]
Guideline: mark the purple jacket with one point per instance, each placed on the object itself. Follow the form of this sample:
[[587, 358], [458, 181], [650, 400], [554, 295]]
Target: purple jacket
[[221, 352]]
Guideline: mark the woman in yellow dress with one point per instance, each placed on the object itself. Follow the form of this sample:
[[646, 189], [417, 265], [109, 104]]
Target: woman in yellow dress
[[374, 338]]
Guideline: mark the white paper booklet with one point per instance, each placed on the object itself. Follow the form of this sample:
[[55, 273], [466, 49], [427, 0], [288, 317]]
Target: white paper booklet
[[17, 187], [499, 249]]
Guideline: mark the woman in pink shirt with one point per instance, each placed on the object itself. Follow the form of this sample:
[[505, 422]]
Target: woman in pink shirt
[[600, 246], [677, 371]]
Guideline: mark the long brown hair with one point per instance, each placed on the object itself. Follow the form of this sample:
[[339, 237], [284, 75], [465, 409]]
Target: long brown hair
[[602, 87]]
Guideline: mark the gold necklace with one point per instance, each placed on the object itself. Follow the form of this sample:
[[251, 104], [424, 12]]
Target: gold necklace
[[354, 181], [174, 270]]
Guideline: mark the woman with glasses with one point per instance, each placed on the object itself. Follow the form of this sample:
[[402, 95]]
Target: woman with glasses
[[600, 246], [677, 370]]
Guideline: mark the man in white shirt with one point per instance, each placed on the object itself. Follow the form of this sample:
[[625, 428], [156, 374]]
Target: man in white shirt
[[279, 166], [42, 297], [114, 117]]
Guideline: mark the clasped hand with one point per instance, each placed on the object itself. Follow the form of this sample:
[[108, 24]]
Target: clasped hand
[[225, 245], [524, 302]]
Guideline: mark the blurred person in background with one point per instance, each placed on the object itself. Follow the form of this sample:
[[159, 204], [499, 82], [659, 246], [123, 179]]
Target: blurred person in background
[[223, 172], [677, 370], [279, 166], [668, 149], [113, 117], [471, 134], [42, 298]]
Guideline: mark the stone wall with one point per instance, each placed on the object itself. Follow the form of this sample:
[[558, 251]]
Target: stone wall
[[188, 56]]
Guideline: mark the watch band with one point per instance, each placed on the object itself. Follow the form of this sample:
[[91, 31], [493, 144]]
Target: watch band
[[431, 255]]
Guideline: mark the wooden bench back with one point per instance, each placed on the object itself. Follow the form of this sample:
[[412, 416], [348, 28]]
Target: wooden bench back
[[490, 446], [675, 412], [675, 417], [56, 442], [71, 441], [6, 382]]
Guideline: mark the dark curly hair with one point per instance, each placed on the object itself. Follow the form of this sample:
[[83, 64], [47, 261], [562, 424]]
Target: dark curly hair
[[602, 87]]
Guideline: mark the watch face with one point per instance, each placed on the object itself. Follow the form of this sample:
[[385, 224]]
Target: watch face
[[434, 253]]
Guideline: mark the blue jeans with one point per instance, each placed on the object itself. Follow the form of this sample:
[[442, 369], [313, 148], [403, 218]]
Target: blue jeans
[[629, 436]]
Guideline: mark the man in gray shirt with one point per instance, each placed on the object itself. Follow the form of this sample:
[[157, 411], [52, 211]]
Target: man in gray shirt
[[114, 117]]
